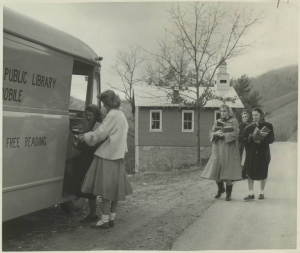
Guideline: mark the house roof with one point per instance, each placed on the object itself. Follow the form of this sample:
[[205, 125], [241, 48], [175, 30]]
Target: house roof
[[28, 28], [154, 96]]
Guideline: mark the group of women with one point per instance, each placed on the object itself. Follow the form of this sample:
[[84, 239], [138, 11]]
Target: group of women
[[100, 170], [239, 151]]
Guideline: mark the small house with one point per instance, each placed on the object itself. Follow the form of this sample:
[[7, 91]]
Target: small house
[[166, 133]]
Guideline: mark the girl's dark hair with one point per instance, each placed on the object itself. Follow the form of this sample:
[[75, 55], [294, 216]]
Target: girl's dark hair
[[261, 112], [96, 111], [110, 98]]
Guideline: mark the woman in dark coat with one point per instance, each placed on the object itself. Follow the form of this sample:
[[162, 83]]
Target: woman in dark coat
[[224, 163], [242, 126], [257, 150], [82, 162]]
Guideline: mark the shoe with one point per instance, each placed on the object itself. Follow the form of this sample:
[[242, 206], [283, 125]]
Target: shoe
[[221, 189], [228, 192], [104, 225], [249, 197], [228, 198], [89, 219], [261, 196], [111, 223]]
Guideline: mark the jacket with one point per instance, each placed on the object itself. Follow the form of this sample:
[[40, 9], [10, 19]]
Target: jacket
[[224, 162], [114, 127], [258, 155]]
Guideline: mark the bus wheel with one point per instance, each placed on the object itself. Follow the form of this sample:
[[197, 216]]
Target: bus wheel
[[73, 205]]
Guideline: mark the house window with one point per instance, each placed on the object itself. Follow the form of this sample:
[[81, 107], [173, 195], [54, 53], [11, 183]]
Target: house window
[[156, 120], [217, 115], [187, 121], [223, 81]]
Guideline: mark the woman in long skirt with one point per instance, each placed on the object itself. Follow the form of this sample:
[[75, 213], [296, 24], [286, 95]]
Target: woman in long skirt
[[106, 176], [224, 163], [258, 154]]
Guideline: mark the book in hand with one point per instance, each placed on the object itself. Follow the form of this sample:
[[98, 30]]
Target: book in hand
[[219, 126], [263, 132], [228, 129], [255, 132]]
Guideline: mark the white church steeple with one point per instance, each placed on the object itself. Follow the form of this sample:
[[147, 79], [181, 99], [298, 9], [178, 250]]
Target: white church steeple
[[223, 78]]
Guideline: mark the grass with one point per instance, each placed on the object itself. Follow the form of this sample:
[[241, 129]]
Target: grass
[[280, 102], [283, 115]]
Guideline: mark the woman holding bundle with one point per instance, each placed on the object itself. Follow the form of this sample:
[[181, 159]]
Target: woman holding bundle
[[257, 137], [224, 163]]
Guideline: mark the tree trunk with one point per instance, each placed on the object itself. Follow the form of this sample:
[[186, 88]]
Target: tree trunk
[[198, 137]]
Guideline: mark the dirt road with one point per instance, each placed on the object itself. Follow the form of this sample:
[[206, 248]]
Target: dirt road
[[160, 209], [260, 224]]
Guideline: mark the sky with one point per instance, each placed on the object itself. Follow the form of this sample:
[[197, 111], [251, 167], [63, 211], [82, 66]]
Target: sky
[[113, 26]]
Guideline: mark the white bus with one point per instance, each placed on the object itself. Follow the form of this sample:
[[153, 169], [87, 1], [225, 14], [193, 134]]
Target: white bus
[[43, 68]]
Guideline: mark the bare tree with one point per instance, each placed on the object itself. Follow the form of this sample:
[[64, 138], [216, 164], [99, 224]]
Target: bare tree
[[204, 36], [127, 67]]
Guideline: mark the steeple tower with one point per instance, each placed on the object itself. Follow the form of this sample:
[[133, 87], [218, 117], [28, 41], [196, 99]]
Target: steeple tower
[[223, 78]]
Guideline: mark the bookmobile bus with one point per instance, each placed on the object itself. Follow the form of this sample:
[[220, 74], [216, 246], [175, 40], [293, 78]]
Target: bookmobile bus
[[42, 69]]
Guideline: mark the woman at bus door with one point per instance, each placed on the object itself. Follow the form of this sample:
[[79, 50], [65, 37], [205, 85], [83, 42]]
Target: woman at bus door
[[245, 122], [84, 160], [224, 163], [106, 176], [258, 154]]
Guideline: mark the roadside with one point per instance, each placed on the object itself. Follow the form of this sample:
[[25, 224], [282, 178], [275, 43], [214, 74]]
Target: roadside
[[270, 223], [162, 206]]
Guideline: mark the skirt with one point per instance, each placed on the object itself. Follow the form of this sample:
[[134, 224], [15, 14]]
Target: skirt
[[107, 178]]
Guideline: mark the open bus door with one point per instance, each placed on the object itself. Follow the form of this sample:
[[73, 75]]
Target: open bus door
[[84, 90]]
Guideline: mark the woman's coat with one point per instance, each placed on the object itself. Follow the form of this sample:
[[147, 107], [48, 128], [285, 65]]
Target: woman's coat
[[225, 162], [258, 155], [243, 126]]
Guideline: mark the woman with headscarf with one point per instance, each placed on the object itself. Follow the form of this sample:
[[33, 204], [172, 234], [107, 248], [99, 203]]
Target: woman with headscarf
[[106, 176], [82, 162], [257, 137], [224, 163], [245, 122]]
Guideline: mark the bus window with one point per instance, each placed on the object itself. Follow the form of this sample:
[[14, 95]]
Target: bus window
[[78, 92], [96, 90]]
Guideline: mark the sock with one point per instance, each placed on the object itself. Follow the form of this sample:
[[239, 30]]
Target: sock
[[104, 219], [261, 192], [112, 216], [251, 192]]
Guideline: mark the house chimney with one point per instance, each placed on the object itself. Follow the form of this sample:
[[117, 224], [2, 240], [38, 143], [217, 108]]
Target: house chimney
[[175, 94]]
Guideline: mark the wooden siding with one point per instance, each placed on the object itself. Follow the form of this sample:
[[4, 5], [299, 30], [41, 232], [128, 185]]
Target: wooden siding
[[172, 134]]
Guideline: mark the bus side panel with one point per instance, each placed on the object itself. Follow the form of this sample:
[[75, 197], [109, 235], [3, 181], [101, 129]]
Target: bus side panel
[[34, 147], [28, 200], [33, 78], [36, 88]]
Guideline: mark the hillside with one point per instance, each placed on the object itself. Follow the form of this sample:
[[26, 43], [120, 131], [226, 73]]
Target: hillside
[[276, 83], [283, 114], [281, 101], [279, 91]]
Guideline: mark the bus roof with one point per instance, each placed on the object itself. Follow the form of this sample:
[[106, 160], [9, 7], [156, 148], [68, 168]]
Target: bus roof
[[43, 34]]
